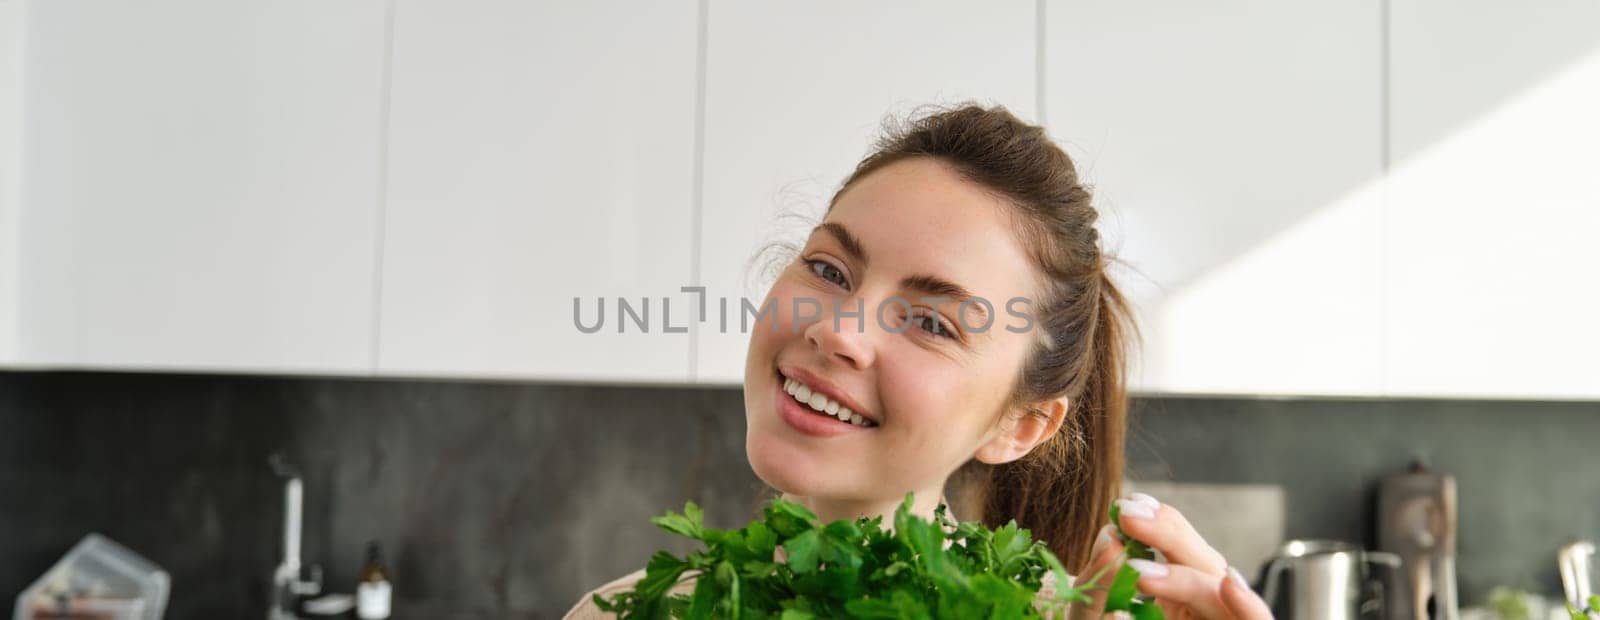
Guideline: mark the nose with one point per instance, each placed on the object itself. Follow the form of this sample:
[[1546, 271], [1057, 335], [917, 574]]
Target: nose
[[850, 344]]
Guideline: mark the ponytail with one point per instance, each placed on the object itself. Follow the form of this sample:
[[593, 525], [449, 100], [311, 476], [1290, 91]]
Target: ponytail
[[1062, 488]]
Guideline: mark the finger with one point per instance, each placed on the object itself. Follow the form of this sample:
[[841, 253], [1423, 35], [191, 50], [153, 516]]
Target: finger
[[1105, 551], [1241, 601], [1176, 583], [1105, 555], [1164, 528]]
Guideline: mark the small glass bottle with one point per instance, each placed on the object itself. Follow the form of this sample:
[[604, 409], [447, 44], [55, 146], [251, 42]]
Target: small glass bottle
[[373, 592]]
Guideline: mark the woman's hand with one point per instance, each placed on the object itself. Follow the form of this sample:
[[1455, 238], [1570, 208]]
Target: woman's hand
[[1195, 582]]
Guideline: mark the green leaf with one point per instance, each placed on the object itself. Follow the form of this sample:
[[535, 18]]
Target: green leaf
[[1147, 610], [760, 540], [803, 551], [1124, 586], [900, 605], [704, 600], [1119, 597], [923, 539], [1064, 593], [797, 511], [1138, 550], [687, 524], [759, 569], [870, 609], [1010, 543], [788, 519], [845, 531], [1000, 595], [660, 574]]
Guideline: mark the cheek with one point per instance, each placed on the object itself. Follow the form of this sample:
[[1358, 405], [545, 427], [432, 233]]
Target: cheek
[[775, 323], [941, 408], [760, 332]]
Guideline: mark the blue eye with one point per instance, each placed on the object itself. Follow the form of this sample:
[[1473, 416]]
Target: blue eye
[[827, 271]]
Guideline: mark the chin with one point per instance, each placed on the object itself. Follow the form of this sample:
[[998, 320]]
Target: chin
[[787, 468], [777, 464]]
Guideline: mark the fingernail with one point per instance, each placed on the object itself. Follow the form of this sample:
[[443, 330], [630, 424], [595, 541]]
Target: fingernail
[[1233, 573], [1103, 539], [1135, 509], [1145, 499], [1148, 568]]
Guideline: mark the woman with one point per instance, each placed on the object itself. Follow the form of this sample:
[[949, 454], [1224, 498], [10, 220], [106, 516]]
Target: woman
[[952, 314]]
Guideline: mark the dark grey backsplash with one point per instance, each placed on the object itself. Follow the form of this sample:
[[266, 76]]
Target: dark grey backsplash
[[508, 500]]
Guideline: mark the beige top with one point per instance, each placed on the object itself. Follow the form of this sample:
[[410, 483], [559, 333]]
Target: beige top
[[585, 609]]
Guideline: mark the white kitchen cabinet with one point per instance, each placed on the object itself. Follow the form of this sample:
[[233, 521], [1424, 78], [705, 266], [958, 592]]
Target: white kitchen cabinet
[[1236, 155], [538, 152], [796, 92], [422, 189], [10, 178], [1494, 204], [200, 184]]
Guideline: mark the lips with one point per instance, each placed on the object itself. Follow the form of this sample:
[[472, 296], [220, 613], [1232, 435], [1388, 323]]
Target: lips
[[821, 404], [816, 384], [803, 419], [808, 420]]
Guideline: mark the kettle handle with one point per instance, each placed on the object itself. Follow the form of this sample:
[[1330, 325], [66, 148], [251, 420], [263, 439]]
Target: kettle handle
[[1271, 583]]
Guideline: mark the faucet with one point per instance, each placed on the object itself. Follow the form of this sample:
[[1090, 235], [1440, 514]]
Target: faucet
[[287, 585]]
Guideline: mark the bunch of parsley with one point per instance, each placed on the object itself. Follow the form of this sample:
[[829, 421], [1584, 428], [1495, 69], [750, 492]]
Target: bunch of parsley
[[857, 569]]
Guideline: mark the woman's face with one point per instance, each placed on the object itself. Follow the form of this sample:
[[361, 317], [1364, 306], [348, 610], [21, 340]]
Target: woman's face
[[932, 394]]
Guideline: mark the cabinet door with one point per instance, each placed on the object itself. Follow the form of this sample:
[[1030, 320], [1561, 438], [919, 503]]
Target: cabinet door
[[1495, 201], [10, 180], [201, 184], [539, 152], [796, 92], [1235, 153]]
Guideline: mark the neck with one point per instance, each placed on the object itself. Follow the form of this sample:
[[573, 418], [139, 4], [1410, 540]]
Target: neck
[[830, 509]]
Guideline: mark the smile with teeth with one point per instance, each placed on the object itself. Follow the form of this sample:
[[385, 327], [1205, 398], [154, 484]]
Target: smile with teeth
[[820, 403]]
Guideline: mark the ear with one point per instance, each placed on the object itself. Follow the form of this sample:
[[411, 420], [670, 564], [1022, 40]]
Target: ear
[[1019, 437]]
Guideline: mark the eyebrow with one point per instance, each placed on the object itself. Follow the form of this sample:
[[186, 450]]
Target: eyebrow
[[935, 286], [932, 286], [850, 242]]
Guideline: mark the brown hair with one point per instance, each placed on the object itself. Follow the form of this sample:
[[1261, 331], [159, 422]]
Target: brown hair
[[1062, 488]]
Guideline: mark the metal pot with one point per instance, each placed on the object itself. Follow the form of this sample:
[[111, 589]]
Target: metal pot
[[1326, 580]]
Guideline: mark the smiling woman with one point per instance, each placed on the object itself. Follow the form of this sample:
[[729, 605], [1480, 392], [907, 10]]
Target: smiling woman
[[903, 377], [965, 204]]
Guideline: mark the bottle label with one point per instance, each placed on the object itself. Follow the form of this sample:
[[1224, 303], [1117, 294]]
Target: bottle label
[[372, 600]]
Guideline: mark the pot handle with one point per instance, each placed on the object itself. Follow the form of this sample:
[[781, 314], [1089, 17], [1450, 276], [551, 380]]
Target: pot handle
[[1378, 595]]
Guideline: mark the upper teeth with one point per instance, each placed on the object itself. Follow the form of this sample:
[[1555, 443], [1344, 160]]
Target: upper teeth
[[821, 403]]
